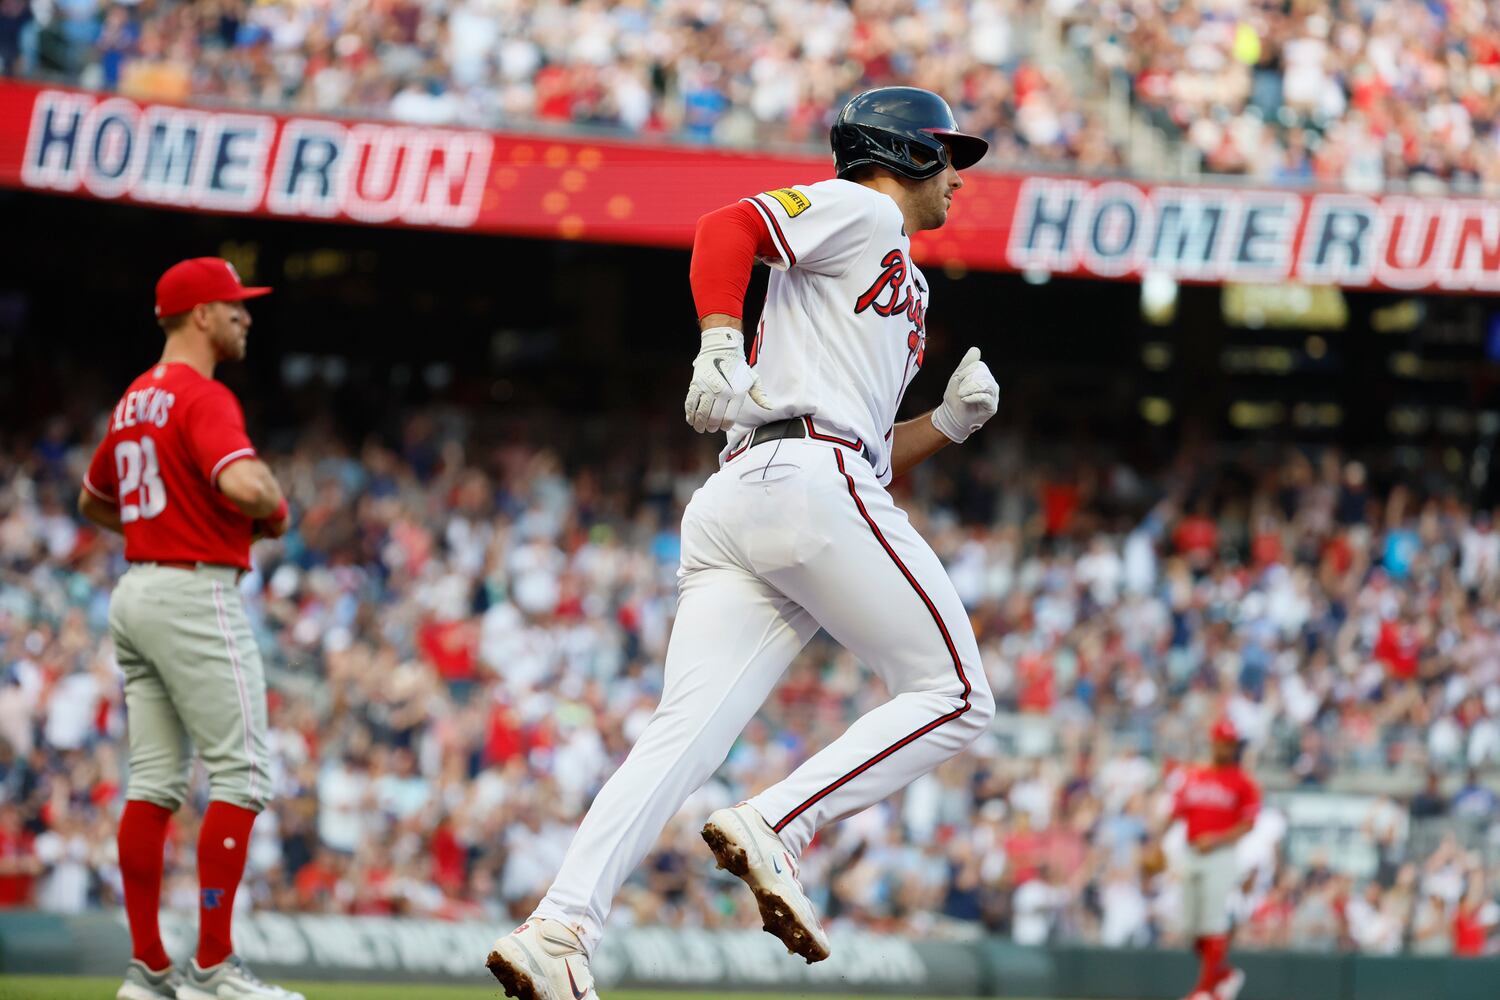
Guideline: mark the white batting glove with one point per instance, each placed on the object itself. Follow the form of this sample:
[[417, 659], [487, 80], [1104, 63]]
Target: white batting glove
[[972, 397], [721, 381]]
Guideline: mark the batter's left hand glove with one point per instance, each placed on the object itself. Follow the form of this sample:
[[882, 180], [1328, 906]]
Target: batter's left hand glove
[[972, 397], [721, 380]]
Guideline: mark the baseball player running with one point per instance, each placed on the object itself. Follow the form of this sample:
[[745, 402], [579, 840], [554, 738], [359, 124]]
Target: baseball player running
[[795, 532], [177, 476], [1218, 802]]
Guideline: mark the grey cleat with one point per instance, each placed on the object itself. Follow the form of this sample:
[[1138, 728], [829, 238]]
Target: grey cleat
[[231, 979], [143, 984]]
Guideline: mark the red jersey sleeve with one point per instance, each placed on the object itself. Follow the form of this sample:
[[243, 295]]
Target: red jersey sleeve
[[725, 247], [215, 433], [1249, 799], [100, 479]]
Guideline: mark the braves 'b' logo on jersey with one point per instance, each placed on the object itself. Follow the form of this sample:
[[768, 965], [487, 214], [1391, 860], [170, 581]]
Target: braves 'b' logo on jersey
[[892, 294]]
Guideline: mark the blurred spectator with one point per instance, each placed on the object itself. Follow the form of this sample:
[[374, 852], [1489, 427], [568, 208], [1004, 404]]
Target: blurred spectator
[[1475, 801], [1474, 920], [19, 864], [15, 21], [1430, 801]]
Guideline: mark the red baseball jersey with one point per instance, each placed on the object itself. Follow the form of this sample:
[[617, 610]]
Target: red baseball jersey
[[169, 437], [1212, 799]]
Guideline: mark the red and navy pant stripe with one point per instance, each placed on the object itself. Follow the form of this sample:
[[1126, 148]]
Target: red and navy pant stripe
[[942, 627]]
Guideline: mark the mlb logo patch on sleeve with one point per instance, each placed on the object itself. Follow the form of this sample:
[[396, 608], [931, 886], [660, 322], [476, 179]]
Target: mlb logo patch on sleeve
[[794, 201]]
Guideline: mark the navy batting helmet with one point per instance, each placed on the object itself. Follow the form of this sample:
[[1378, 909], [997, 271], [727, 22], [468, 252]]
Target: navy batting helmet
[[905, 129]]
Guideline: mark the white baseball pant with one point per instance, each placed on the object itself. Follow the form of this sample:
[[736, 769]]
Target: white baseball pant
[[1208, 879], [788, 536]]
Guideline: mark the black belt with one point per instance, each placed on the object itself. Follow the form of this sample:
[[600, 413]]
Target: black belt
[[777, 430], [794, 427]]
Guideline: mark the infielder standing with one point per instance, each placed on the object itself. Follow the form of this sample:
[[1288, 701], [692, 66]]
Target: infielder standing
[[795, 532], [1218, 802], [178, 477]]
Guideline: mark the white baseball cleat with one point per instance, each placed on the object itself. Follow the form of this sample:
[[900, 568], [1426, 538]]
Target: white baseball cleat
[[1229, 987], [745, 846], [542, 960], [231, 979]]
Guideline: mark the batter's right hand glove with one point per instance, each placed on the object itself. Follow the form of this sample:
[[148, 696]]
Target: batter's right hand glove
[[972, 397], [721, 381]]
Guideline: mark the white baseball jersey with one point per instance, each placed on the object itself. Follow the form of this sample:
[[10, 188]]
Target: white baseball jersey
[[842, 333]]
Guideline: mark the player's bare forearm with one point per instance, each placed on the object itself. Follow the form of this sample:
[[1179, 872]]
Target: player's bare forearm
[[105, 515], [720, 319], [250, 486], [913, 442]]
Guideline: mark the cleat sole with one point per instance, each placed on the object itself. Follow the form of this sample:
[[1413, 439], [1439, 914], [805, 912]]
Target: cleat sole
[[777, 916], [515, 981]]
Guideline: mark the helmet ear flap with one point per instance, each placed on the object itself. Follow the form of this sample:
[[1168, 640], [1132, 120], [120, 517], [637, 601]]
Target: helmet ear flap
[[913, 156]]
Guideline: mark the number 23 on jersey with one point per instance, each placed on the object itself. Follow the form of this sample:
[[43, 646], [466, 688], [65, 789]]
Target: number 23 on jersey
[[143, 495]]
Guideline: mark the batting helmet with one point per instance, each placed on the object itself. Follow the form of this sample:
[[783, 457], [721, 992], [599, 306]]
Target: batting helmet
[[905, 129]]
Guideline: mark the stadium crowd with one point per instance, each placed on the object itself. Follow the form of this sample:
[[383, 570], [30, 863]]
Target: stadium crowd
[[1355, 93], [464, 634], [726, 71], [1362, 93]]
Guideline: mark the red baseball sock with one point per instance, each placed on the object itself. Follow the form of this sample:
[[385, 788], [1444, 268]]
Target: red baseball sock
[[222, 843], [1212, 952], [143, 835]]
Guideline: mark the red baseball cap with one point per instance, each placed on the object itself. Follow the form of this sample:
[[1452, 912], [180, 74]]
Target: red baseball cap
[[1224, 732], [193, 282]]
